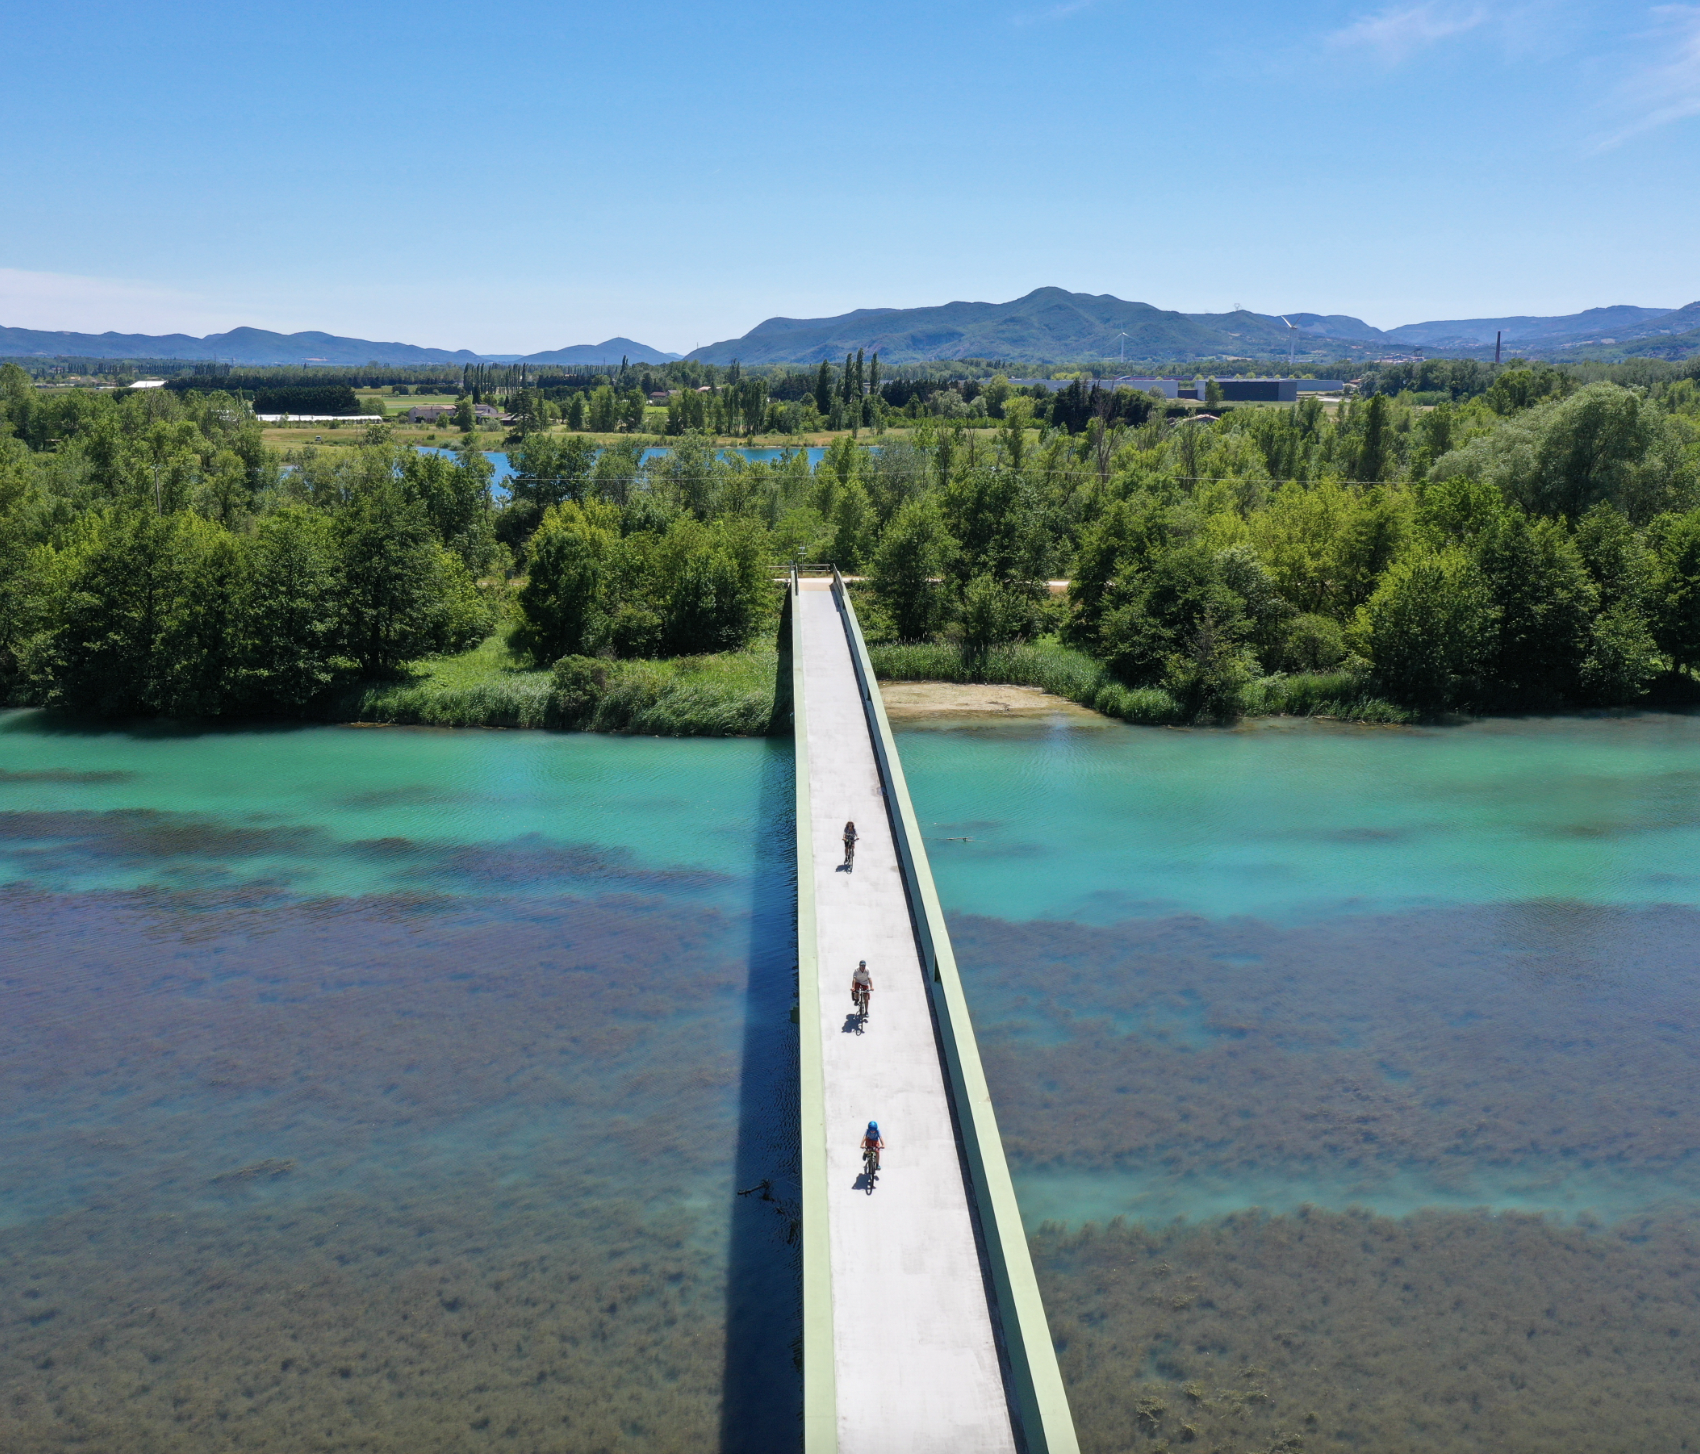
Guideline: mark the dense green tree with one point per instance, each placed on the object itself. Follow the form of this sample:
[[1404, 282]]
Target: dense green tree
[[1165, 609], [912, 555], [1428, 628], [1522, 388], [589, 589], [1209, 669], [19, 510], [1622, 656], [1675, 603], [1373, 449], [288, 608], [603, 416], [692, 477], [108, 595], [852, 527], [1564, 456], [1327, 544], [563, 603], [455, 494], [1265, 611], [548, 469], [615, 475], [199, 653], [990, 615], [823, 388], [1616, 556], [390, 574], [1113, 549], [712, 585], [1543, 607], [995, 519]]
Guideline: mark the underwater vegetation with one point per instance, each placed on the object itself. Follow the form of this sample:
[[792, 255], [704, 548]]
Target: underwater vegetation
[[551, 1318], [1458, 1051], [1452, 1041], [1437, 1333], [395, 1172]]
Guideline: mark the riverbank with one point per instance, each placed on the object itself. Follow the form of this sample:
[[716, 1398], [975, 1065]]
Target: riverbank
[[737, 694], [1063, 672], [731, 694]]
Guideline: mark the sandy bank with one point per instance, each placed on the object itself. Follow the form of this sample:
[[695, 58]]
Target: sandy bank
[[921, 701]]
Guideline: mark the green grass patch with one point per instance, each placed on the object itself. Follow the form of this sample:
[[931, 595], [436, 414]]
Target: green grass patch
[[726, 695], [730, 694]]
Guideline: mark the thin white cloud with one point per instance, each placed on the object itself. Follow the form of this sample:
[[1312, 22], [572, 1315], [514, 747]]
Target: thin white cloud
[[1401, 31], [1664, 90]]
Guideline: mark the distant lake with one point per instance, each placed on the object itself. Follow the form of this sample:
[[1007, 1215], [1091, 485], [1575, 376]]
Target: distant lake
[[504, 469]]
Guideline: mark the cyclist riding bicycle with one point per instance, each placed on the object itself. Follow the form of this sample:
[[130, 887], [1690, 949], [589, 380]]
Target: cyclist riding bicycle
[[872, 1145], [850, 837], [861, 987]]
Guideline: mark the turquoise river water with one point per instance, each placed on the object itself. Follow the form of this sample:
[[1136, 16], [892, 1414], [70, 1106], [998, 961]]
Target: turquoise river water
[[395, 1089]]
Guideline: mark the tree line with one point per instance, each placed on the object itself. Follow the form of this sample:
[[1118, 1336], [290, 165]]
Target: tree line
[[1535, 545]]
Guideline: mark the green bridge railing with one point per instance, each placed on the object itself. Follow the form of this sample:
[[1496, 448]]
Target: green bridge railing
[[1041, 1400]]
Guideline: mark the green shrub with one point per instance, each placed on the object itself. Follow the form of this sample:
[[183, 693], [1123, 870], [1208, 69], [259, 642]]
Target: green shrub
[[725, 695], [1143, 706], [1341, 694]]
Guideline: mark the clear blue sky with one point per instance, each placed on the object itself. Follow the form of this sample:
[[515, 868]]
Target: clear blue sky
[[527, 175]]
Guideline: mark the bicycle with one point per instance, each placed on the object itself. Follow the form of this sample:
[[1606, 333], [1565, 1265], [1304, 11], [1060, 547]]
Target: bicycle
[[864, 994], [870, 1169]]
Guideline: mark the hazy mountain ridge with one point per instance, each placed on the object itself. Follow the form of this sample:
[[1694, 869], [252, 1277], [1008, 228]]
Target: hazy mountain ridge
[[1048, 325], [1052, 325], [610, 350], [259, 346], [240, 345], [1479, 332]]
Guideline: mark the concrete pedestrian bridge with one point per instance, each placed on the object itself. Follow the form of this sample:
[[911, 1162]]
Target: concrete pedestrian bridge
[[923, 1330]]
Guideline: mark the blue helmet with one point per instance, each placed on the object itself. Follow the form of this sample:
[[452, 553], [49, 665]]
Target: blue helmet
[[873, 1128]]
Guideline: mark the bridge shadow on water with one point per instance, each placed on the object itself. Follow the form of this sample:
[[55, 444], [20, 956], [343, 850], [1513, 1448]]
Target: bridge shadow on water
[[762, 1400]]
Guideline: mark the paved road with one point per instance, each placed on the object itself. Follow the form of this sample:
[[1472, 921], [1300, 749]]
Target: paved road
[[917, 1367]]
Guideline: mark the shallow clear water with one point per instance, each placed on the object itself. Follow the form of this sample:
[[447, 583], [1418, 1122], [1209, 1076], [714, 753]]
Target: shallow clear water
[[396, 1019], [1289, 903], [1349, 1076], [1293, 821], [396, 1088]]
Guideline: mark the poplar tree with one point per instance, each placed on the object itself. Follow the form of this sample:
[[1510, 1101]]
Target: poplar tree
[[823, 388]]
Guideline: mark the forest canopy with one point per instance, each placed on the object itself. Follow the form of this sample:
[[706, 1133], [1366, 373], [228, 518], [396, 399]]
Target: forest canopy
[[1532, 544]]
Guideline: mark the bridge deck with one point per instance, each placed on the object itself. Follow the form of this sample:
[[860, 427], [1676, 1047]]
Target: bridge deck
[[914, 1353]]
